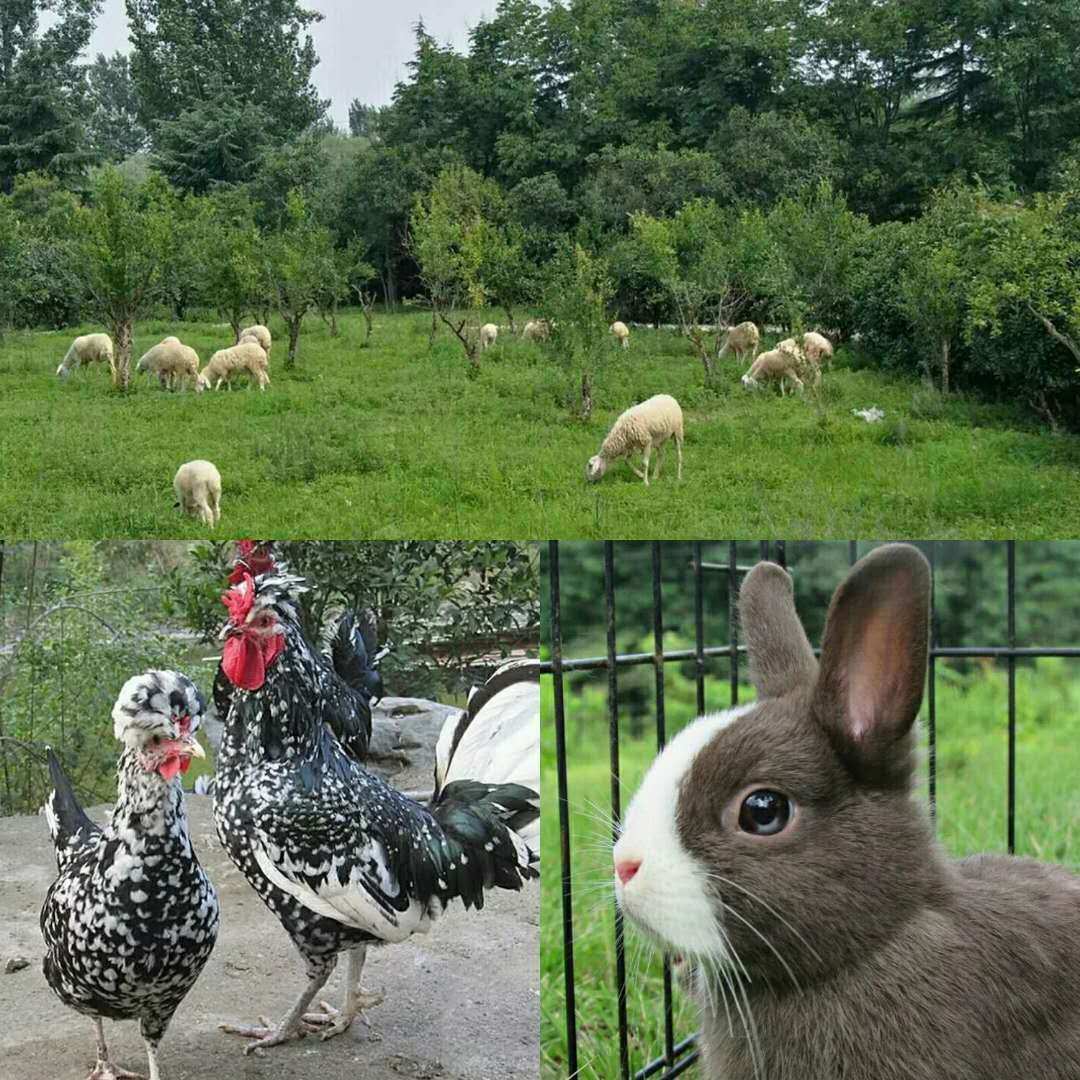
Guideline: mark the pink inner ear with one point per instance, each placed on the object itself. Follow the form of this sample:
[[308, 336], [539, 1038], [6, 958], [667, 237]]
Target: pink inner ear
[[872, 680]]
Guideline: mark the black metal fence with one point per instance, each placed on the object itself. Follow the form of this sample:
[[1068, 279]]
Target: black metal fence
[[680, 1052]]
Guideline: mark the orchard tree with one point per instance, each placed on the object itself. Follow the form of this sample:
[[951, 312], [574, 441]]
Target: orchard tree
[[576, 295], [231, 263], [711, 262], [126, 235], [299, 264]]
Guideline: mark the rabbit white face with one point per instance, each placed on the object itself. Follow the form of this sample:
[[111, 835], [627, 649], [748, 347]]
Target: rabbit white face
[[658, 883]]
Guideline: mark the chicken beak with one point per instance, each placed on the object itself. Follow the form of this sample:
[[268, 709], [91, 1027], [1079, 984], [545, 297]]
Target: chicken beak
[[191, 746]]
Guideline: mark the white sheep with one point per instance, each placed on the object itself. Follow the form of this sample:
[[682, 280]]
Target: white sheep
[[198, 491], [641, 429], [622, 333], [537, 330], [88, 349], [171, 361], [778, 365], [258, 333], [489, 334], [807, 365], [741, 339], [247, 356], [817, 347]]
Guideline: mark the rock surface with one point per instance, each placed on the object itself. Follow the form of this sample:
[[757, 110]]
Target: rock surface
[[462, 1003]]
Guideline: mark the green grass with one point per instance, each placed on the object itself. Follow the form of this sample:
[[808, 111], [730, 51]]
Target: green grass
[[396, 441], [972, 747]]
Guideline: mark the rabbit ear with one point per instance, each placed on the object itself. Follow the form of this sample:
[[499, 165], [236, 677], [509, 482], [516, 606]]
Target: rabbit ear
[[781, 659], [873, 659]]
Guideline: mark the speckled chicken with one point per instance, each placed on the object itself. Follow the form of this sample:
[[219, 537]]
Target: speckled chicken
[[347, 682], [132, 917], [341, 858]]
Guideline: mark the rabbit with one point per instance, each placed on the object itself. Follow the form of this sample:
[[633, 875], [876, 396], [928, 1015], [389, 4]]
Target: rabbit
[[776, 851]]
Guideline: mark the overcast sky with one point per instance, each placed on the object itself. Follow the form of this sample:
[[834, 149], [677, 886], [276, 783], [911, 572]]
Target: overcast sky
[[363, 45]]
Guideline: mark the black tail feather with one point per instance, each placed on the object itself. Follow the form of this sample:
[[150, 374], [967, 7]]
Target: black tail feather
[[70, 828], [351, 650]]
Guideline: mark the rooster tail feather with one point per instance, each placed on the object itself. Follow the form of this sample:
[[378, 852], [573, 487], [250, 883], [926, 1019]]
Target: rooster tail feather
[[351, 650], [69, 827], [481, 824]]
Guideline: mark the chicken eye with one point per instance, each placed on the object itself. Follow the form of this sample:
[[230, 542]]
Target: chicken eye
[[764, 813]]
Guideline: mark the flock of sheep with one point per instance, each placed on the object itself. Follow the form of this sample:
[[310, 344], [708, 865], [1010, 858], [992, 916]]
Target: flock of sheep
[[641, 429], [197, 483], [650, 425], [174, 363]]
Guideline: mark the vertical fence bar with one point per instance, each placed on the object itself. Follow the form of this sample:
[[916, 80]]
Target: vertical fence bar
[[1010, 556], [616, 801], [852, 552], [564, 808], [781, 553], [733, 618], [699, 628], [763, 549], [931, 689], [661, 739]]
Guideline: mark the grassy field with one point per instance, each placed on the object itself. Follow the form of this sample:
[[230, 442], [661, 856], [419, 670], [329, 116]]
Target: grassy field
[[971, 817], [396, 441]]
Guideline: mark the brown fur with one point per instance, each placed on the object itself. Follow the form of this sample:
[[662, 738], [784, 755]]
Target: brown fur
[[911, 966]]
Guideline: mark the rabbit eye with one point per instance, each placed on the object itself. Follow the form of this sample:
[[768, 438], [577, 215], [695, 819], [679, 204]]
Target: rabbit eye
[[764, 813]]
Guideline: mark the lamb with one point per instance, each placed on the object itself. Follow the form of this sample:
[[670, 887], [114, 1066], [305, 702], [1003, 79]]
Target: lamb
[[171, 361], [817, 347], [778, 365], [88, 349], [537, 330], [259, 334], [622, 333], [489, 334], [642, 428], [198, 491], [741, 339], [247, 356]]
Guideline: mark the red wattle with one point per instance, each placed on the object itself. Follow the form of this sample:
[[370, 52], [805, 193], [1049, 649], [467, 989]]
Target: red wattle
[[170, 767], [242, 661], [185, 764]]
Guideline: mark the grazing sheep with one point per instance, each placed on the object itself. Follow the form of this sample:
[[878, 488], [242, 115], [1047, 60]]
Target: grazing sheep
[[88, 349], [198, 491], [259, 334], [489, 334], [171, 361], [641, 429], [247, 356], [807, 366], [741, 339], [779, 365], [817, 347], [537, 330], [622, 333]]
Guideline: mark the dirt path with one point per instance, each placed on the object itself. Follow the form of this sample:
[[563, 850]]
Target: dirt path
[[461, 1004]]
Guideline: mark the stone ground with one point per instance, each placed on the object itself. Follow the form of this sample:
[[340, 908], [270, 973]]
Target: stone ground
[[462, 1003]]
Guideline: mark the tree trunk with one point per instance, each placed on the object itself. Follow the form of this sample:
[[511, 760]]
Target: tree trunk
[[434, 324], [334, 331], [294, 338], [122, 334], [237, 326], [586, 395], [945, 365], [510, 317], [369, 325]]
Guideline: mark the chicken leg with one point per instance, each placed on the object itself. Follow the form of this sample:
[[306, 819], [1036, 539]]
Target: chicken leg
[[357, 1000], [293, 1026], [105, 1069]]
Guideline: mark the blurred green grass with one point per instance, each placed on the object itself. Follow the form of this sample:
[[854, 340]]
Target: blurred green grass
[[972, 747]]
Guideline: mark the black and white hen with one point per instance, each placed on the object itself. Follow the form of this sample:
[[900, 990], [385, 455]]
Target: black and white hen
[[343, 859], [132, 917], [348, 682]]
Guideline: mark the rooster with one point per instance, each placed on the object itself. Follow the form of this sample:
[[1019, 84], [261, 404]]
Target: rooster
[[348, 682], [341, 858], [132, 918]]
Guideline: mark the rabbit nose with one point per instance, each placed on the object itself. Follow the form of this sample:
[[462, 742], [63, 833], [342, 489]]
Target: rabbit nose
[[627, 868]]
